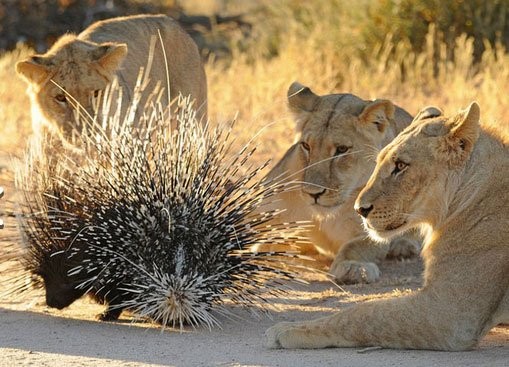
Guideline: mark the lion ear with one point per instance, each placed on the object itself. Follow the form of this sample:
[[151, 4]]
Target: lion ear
[[110, 56], [378, 112], [301, 98], [464, 128], [33, 69], [428, 113]]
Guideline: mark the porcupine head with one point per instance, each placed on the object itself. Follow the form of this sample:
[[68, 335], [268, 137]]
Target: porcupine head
[[61, 286]]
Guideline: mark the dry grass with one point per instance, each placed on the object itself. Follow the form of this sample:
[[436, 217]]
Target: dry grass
[[254, 81], [257, 89], [15, 122]]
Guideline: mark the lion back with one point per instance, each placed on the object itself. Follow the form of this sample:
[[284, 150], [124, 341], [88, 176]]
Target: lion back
[[182, 67]]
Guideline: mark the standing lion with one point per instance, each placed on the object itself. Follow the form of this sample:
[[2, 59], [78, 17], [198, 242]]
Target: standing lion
[[78, 68]]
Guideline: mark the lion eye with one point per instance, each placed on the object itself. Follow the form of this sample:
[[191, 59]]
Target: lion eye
[[96, 93], [305, 146], [400, 166], [61, 98], [342, 149]]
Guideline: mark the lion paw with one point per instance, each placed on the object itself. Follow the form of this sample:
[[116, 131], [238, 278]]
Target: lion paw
[[273, 335], [402, 248], [285, 335], [350, 272]]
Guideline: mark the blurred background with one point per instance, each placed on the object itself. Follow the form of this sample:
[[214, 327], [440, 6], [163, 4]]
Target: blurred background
[[414, 52]]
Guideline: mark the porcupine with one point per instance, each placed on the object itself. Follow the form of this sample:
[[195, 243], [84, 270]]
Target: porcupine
[[154, 221]]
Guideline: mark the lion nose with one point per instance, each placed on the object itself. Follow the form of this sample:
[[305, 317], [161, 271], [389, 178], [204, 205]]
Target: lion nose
[[316, 195], [364, 211]]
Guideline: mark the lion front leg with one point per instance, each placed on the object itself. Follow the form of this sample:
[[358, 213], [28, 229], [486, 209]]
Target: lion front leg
[[306, 335], [411, 322], [356, 261], [463, 297], [361, 325], [404, 247]]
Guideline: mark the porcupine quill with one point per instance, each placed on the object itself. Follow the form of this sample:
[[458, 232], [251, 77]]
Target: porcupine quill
[[153, 220]]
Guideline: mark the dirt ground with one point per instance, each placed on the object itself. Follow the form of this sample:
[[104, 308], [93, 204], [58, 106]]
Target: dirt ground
[[32, 334]]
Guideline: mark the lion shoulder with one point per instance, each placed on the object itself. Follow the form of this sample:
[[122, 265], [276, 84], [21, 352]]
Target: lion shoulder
[[151, 38]]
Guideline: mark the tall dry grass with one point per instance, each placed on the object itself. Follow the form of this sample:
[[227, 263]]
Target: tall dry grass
[[317, 44], [255, 87], [15, 122]]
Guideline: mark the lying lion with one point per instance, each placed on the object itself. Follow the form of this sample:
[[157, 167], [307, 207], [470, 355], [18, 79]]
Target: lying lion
[[450, 177], [337, 137]]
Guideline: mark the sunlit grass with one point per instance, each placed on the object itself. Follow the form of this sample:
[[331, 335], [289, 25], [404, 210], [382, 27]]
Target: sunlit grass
[[318, 47], [256, 88], [15, 122]]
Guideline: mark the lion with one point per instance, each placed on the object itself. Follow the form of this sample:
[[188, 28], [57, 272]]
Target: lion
[[337, 137], [78, 68], [448, 176]]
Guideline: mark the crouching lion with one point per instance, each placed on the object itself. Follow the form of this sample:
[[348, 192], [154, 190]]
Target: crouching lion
[[83, 65], [337, 137], [448, 176]]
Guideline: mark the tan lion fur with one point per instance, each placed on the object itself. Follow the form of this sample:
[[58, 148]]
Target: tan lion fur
[[450, 177], [84, 64], [324, 123]]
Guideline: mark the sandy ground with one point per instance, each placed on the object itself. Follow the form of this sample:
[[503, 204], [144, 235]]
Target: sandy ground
[[32, 334]]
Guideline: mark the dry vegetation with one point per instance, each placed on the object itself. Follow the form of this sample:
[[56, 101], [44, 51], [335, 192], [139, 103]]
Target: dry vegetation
[[320, 44], [323, 49], [15, 123]]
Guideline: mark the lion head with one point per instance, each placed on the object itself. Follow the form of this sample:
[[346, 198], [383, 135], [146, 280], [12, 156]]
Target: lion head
[[409, 185], [72, 73], [338, 136]]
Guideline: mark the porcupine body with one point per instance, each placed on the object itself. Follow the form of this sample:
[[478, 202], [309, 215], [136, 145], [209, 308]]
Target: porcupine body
[[155, 221]]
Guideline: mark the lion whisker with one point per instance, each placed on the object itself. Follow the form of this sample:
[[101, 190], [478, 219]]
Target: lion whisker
[[312, 165], [371, 151], [316, 185]]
